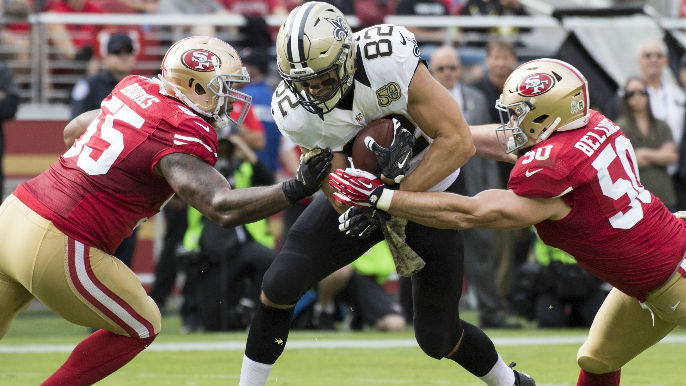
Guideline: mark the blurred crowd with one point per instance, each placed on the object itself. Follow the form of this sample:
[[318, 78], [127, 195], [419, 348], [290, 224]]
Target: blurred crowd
[[508, 273]]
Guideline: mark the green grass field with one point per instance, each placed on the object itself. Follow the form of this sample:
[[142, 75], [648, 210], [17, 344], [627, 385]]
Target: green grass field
[[38, 342]]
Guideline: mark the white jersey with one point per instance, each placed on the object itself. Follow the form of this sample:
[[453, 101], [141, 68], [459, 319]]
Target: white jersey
[[387, 57]]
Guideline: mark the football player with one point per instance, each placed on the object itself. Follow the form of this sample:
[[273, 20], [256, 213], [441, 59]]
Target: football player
[[578, 183], [150, 139], [334, 84]]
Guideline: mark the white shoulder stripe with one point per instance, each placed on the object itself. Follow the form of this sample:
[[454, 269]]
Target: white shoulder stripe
[[184, 140]]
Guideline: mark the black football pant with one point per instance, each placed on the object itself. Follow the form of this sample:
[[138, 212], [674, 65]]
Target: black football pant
[[315, 248]]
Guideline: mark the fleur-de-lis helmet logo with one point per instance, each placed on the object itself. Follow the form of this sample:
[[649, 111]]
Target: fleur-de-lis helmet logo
[[340, 28]]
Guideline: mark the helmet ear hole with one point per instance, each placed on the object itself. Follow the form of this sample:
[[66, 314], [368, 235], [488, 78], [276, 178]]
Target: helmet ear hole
[[541, 118], [199, 89]]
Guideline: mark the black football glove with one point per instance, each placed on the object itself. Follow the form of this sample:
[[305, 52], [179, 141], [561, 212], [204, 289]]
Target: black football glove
[[359, 222], [394, 160], [314, 166]]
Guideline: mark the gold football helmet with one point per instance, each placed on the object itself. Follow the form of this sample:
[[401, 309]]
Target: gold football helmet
[[540, 97], [316, 41], [201, 71]]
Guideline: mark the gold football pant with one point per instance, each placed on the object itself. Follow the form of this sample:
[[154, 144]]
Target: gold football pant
[[82, 284], [623, 329]]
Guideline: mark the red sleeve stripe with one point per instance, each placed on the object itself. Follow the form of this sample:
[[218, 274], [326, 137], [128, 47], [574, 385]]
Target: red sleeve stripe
[[95, 292]]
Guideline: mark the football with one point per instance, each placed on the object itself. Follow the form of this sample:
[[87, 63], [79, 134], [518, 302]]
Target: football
[[382, 132]]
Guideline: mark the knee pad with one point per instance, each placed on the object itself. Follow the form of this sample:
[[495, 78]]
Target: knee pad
[[435, 341]]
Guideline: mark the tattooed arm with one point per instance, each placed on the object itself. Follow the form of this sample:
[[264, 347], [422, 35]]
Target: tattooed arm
[[205, 189]]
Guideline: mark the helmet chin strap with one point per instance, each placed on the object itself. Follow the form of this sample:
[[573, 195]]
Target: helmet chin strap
[[548, 131]]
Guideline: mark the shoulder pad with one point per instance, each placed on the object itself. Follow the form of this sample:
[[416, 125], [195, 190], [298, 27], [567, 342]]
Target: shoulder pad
[[541, 172]]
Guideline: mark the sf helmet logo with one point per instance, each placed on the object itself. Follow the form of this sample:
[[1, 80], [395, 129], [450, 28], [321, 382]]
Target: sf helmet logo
[[535, 84], [200, 60]]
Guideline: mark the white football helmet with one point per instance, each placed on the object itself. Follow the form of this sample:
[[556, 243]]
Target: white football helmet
[[200, 71], [540, 97], [316, 40]]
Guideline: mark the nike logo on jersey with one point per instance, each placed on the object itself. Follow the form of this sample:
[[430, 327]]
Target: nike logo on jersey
[[403, 42], [530, 173], [675, 306], [401, 164], [207, 129]]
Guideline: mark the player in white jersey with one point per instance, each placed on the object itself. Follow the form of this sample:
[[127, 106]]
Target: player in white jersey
[[335, 83]]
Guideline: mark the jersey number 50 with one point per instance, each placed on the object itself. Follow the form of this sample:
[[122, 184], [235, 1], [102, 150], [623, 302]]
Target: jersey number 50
[[102, 137], [629, 186]]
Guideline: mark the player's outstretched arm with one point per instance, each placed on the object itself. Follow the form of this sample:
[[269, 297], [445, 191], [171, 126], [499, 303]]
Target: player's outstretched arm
[[492, 209], [204, 188], [438, 114]]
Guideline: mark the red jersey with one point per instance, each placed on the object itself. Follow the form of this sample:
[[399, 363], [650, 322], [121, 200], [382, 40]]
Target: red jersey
[[617, 230], [105, 184]]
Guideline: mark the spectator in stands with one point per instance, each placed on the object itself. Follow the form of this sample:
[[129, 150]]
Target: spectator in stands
[[500, 60], [494, 8], [666, 98], [118, 63], [479, 174], [192, 7], [141, 6], [256, 61], [9, 102], [252, 130], [73, 41], [255, 7], [651, 139], [680, 175], [428, 37], [88, 93], [373, 12], [511, 245], [15, 34]]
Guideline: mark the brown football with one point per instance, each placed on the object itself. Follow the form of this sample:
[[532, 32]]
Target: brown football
[[382, 132]]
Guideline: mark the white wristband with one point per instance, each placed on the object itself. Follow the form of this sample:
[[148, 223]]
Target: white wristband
[[385, 200]]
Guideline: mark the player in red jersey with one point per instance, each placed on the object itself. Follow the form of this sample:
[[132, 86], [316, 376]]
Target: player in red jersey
[[152, 138], [579, 185]]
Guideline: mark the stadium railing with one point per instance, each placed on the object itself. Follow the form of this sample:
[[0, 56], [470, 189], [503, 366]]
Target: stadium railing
[[45, 76]]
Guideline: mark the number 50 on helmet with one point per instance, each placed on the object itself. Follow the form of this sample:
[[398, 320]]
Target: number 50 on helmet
[[540, 97], [316, 40], [201, 72]]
